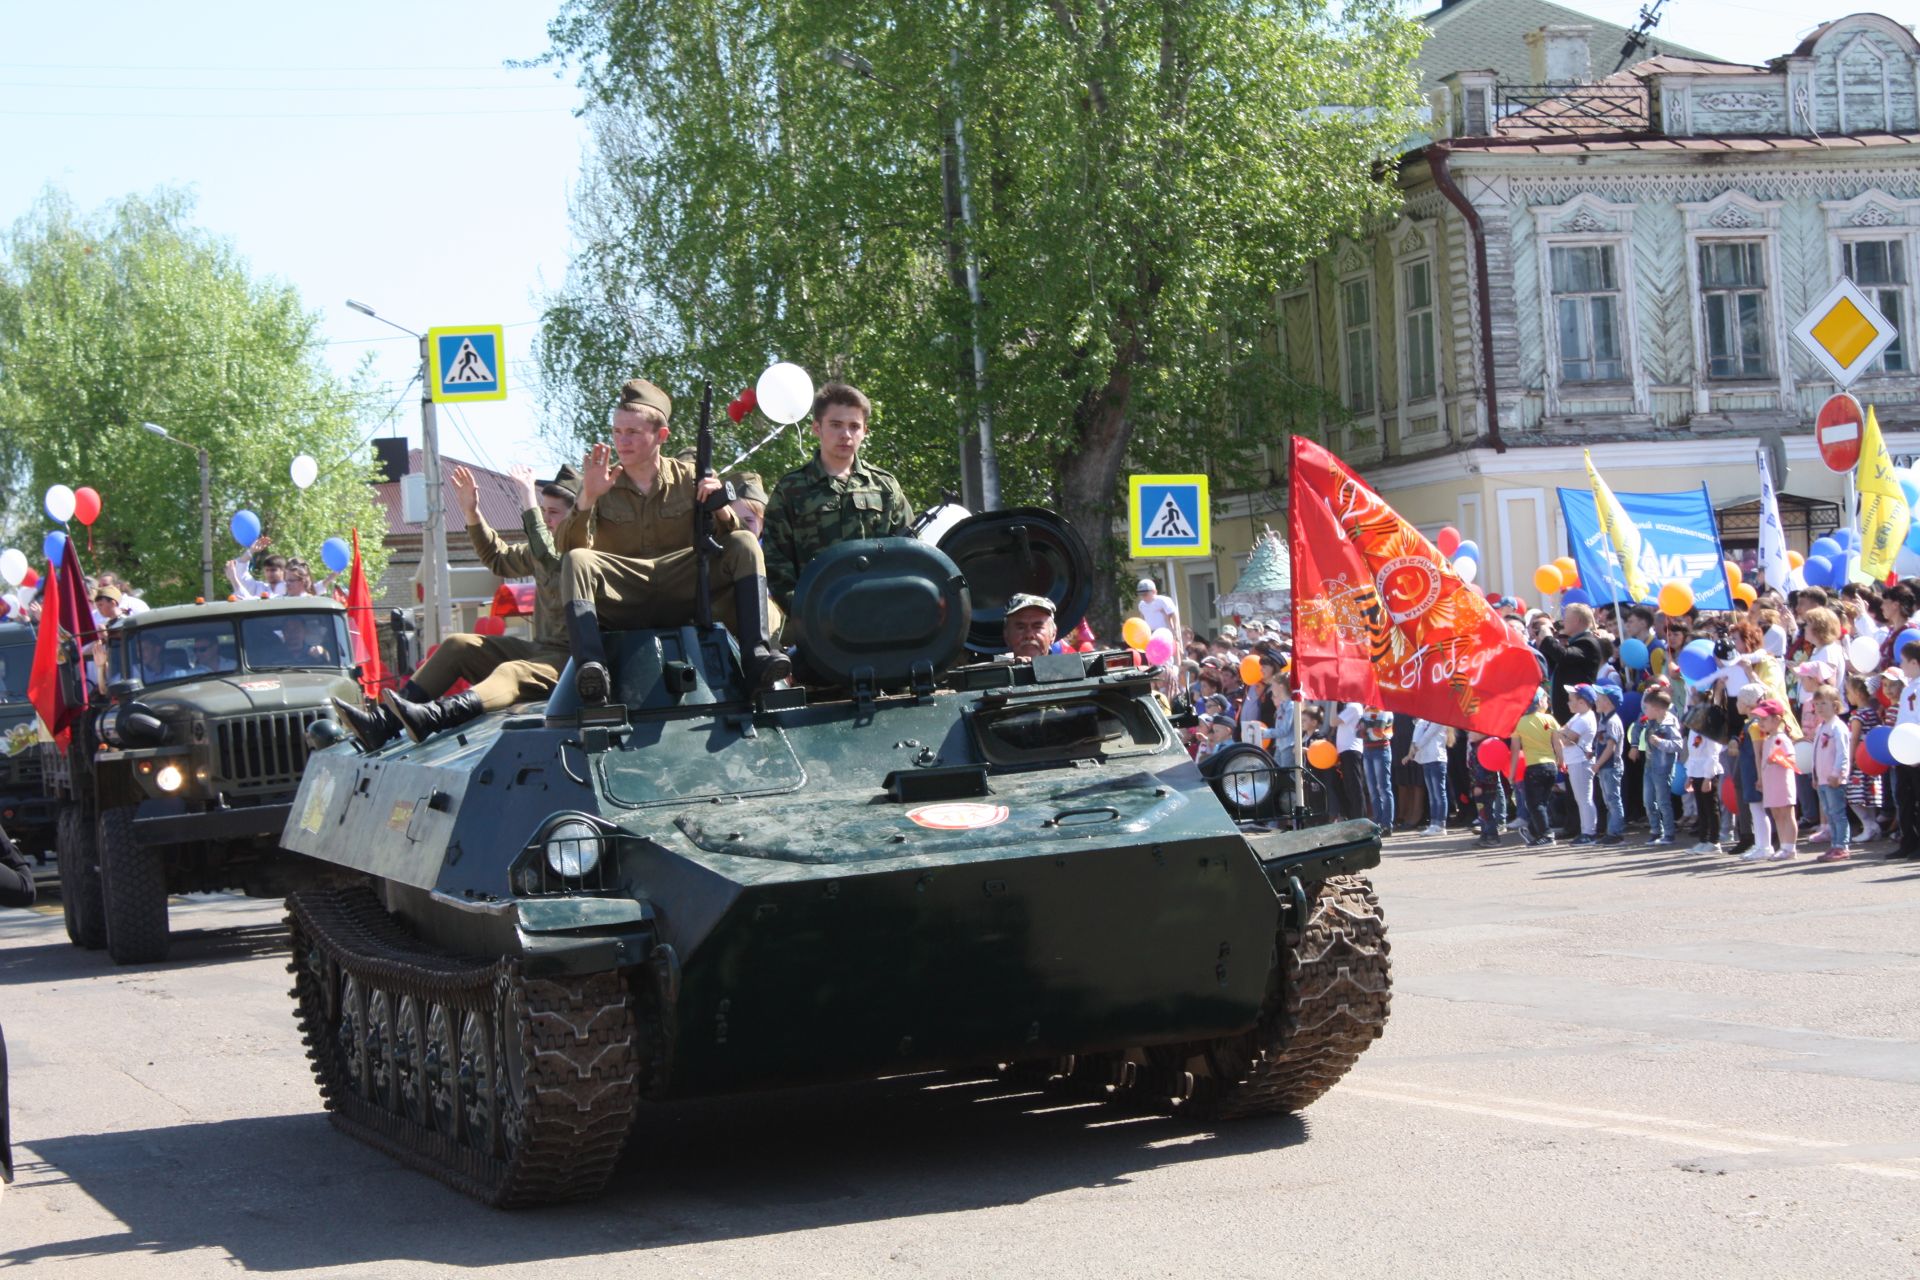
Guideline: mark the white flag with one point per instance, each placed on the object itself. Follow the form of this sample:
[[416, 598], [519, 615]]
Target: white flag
[[1773, 536]]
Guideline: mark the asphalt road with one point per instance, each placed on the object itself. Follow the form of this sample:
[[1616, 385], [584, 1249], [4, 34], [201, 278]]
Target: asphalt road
[[1600, 1063]]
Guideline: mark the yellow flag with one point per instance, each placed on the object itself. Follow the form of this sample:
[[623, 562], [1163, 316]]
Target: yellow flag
[[1621, 532], [1884, 518]]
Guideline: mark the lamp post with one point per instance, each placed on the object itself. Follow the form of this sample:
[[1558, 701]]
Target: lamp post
[[964, 269], [206, 507], [433, 539]]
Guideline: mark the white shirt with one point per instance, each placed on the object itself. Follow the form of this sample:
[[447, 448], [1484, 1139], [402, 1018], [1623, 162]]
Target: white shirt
[[1159, 612], [1775, 640], [1346, 727], [1703, 756], [1582, 727], [1429, 742], [1908, 707]]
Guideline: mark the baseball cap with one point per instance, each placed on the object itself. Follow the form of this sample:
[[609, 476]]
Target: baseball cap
[[1611, 692], [1585, 691], [1145, 584], [1230, 632], [1025, 600], [109, 592], [1769, 707]]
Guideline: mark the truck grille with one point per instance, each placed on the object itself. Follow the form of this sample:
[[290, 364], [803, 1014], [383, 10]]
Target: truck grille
[[265, 751]]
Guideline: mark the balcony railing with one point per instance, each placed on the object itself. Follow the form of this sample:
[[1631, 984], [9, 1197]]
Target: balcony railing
[[1572, 108]]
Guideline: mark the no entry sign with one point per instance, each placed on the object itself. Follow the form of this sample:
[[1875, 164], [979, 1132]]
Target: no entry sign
[[1837, 432]]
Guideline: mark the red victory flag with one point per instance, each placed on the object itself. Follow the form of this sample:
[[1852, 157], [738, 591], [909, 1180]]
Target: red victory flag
[[1380, 617], [60, 696], [360, 623]]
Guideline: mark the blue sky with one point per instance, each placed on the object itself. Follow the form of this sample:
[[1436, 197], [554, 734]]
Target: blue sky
[[385, 152]]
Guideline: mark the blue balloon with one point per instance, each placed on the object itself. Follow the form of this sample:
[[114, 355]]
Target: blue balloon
[[1878, 744], [1634, 654], [54, 546], [1905, 638], [1574, 595], [1909, 487], [245, 528], [1913, 536], [1696, 661], [1818, 570], [1846, 537], [336, 554], [1467, 551], [1826, 549], [1629, 707]]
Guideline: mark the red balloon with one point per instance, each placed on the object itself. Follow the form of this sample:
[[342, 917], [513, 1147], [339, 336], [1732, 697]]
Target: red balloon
[[1866, 763], [32, 578], [1086, 647], [1729, 796], [1448, 540], [86, 506], [1495, 755], [736, 410]]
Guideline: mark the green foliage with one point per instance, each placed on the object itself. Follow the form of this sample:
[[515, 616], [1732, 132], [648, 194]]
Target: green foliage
[[1144, 175], [132, 315]]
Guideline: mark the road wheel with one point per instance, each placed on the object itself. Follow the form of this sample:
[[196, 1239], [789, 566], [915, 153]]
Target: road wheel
[[134, 886], [79, 863]]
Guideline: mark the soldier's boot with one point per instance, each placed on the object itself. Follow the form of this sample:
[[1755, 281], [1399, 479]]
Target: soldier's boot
[[372, 729], [422, 720], [765, 664], [589, 653]]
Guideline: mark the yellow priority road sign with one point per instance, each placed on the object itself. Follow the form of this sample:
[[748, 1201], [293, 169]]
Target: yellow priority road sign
[[467, 362], [1845, 331]]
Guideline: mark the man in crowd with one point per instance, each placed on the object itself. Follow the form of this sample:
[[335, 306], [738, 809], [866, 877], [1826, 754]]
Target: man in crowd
[[503, 670], [837, 497], [627, 549], [1574, 654], [1158, 611], [1030, 626]]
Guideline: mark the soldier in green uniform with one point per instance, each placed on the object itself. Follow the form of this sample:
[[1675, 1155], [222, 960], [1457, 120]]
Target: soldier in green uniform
[[627, 550], [503, 670], [838, 497]]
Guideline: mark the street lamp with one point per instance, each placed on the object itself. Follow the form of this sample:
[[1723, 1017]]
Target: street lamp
[[959, 206], [433, 539], [206, 507]]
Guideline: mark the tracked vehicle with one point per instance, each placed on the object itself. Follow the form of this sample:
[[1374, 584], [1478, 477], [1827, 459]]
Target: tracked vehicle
[[924, 859]]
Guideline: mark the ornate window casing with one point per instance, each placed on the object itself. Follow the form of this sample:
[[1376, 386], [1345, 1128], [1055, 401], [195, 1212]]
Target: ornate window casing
[[1863, 86], [1724, 224], [1417, 299], [1590, 320], [1359, 339], [1874, 239]]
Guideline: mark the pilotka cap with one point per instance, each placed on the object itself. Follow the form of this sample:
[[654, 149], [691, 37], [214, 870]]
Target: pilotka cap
[[636, 393]]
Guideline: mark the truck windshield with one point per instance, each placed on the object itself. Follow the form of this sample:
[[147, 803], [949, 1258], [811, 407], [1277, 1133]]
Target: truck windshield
[[16, 660], [175, 651], [294, 640]]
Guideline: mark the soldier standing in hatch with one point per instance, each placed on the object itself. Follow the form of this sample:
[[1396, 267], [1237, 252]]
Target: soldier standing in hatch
[[628, 548], [838, 497], [503, 670]]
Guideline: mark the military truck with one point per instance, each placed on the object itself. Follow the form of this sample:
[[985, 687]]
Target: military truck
[[928, 858], [181, 779], [25, 811]]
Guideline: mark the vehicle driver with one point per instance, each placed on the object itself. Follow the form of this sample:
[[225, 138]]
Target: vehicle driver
[[155, 662], [1030, 626], [301, 642]]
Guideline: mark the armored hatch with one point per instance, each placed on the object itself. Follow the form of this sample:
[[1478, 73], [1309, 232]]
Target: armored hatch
[[1021, 550]]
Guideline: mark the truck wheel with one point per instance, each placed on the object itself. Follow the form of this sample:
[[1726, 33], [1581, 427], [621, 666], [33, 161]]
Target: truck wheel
[[79, 864], [134, 885]]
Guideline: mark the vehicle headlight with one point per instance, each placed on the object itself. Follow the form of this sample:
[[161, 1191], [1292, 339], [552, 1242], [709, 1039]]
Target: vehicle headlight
[[170, 778], [573, 848], [1246, 782]]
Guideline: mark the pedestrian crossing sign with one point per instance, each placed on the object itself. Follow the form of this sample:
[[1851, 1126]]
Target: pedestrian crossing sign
[[1168, 516], [467, 362]]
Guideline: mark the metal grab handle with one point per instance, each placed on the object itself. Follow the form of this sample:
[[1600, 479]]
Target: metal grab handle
[[561, 755], [1060, 819]]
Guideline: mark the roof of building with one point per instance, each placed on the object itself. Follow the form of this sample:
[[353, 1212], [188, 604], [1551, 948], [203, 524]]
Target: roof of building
[[1724, 144], [1491, 35], [499, 498]]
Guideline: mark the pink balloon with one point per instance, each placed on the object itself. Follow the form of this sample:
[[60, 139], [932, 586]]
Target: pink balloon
[[1159, 650], [1448, 540]]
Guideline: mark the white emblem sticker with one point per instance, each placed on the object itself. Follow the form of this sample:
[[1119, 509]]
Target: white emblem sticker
[[958, 816]]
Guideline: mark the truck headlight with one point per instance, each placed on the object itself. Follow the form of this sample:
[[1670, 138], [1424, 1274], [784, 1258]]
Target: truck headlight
[[170, 778], [573, 848]]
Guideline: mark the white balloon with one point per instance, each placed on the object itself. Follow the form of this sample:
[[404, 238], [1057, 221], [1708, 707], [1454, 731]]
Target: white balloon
[[1905, 743], [59, 503], [13, 566], [1864, 653], [784, 392], [305, 471], [1803, 756], [1467, 568]]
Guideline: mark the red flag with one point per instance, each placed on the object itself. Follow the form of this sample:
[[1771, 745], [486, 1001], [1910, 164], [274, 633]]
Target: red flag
[[1380, 617], [63, 607], [43, 681], [360, 622]]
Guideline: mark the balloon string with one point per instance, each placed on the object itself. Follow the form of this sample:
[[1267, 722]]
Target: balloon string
[[764, 440]]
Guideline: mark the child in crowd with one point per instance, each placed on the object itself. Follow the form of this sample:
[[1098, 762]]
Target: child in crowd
[[1703, 779], [1535, 741], [1906, 777], [1863, 788], [1428, 751], [1832, 763], [1609, 760], [1774, 751], [1489, 797], [1376, 737], [1576, 752], [1662, 738]]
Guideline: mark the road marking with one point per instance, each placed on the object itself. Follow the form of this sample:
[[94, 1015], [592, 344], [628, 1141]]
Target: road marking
[[1685, 1133]]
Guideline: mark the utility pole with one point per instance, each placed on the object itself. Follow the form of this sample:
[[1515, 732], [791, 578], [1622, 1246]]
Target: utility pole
[[206, 506], [989, 464]]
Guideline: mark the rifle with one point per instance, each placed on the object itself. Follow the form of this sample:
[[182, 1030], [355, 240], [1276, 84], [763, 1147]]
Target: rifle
[[704, 544]]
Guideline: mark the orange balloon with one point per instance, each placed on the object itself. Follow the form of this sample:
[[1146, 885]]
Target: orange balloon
[[1795, 559], [1136, 633], [1322, 755], [1675, 599], [1548, 580], [1733, 575], [1745, 593], [1251, 671], [1569, 571]]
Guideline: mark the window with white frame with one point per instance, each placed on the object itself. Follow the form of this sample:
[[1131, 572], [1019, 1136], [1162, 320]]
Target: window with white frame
[[1356, 319], [1733, 300], [1585, 280], [1417, 329], [1881, 270]]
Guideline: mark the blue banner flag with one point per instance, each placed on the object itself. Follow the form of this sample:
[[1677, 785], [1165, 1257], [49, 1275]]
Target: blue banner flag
[[1679, 542]]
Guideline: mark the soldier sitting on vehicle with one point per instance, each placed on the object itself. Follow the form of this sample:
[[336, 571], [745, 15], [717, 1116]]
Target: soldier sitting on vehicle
[[503, 670], [1030, 626]]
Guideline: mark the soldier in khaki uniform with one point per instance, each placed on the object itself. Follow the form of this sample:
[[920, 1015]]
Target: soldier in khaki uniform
[[503, 670], [837, 497], [627, 553]]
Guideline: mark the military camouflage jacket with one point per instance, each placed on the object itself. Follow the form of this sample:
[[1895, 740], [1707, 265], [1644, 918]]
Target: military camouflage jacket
[[809, 510], [535, 558]]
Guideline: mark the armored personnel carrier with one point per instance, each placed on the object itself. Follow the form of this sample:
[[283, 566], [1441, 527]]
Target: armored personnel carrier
[[25, 812], [182, 781], [924, 859]]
